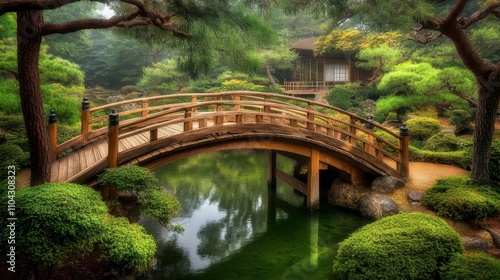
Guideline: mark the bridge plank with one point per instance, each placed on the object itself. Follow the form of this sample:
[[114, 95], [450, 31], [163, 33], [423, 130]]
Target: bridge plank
[[54, 175], [83, 161], [73, 165], [63, 169]]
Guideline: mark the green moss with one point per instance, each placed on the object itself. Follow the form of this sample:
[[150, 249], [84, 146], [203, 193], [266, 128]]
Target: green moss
[[477, 266], [459, 199], [402, 246]]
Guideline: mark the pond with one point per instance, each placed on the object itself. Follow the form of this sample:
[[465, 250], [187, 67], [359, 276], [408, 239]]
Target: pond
[[234, 228]]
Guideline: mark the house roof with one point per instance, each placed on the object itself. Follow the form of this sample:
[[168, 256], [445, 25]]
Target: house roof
[[304, 44]]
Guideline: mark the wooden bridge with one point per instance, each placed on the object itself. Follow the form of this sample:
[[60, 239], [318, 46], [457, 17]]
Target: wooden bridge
[[155, 130]]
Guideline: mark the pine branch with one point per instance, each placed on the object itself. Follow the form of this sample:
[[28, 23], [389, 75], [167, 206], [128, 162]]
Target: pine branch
[[465, 22]]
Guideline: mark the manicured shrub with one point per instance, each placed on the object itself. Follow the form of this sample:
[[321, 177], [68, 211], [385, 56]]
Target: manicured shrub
[[128, 245], [130, 178], [443, 142], [452, 158], [478, 266], [160, 205], [402, 246], [141, 184], [55, 220], [462, 121], [422, 128], [344, 96], [459, 199]]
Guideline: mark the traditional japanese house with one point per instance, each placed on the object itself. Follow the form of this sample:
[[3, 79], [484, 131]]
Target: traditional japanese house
[[318, 74]]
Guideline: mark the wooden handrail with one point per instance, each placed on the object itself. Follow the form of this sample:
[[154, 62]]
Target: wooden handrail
[[233, 107]]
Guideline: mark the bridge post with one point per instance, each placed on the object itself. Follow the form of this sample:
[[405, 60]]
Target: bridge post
[[369, 125], [405, 151], [144, 106], [85, 119], [352, 131], [110, 192], [218, 108], [53, 135], [194, 99], [313, 181], [310, 118], [188, 125]]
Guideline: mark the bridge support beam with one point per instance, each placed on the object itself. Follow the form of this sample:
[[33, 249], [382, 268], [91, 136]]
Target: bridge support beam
[[313, 181], [271, 170]]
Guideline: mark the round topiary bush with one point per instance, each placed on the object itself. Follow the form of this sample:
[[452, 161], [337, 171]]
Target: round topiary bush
[[402, 246], [477, 266], [457, 198], [422, 128], [443, 142]]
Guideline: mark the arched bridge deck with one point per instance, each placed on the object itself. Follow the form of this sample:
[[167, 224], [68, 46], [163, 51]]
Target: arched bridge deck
[[159, 129]]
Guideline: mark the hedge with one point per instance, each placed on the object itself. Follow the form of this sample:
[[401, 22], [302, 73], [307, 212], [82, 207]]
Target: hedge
[[457, 158], [459, 199], [478, 266], [402, 246], [422, 128]]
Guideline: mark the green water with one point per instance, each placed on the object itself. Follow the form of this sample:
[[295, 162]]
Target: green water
[[232, 229]]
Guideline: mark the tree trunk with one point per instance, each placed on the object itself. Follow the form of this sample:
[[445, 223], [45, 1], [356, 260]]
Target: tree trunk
[[269, 75], [484, 128], [29, 39]]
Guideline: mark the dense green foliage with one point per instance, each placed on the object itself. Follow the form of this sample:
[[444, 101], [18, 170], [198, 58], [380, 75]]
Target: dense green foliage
[[459, 199], [443, 142], [128, 245], [402, 246], [422, 128], [462, 120], [131, 178], [11, 154], [478, 266], [456, 158], [58, 219], [141, 184], [162, 78], [62, 84]]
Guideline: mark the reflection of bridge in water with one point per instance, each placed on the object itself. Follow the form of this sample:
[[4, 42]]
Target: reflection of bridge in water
[[157, 130]]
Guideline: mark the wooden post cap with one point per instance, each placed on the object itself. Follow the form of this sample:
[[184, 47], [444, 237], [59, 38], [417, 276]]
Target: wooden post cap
[[85, 104], [52, 117]]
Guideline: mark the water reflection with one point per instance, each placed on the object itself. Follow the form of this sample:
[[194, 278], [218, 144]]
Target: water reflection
[[232, 229]]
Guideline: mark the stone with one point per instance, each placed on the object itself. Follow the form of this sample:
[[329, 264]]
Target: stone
[[495, 235], [344, 195], [415, 196], [387, 184], [475, 244], [377, 206]]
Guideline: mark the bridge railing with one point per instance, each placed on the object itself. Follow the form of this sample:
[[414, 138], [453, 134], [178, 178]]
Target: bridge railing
[[197, 111]]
